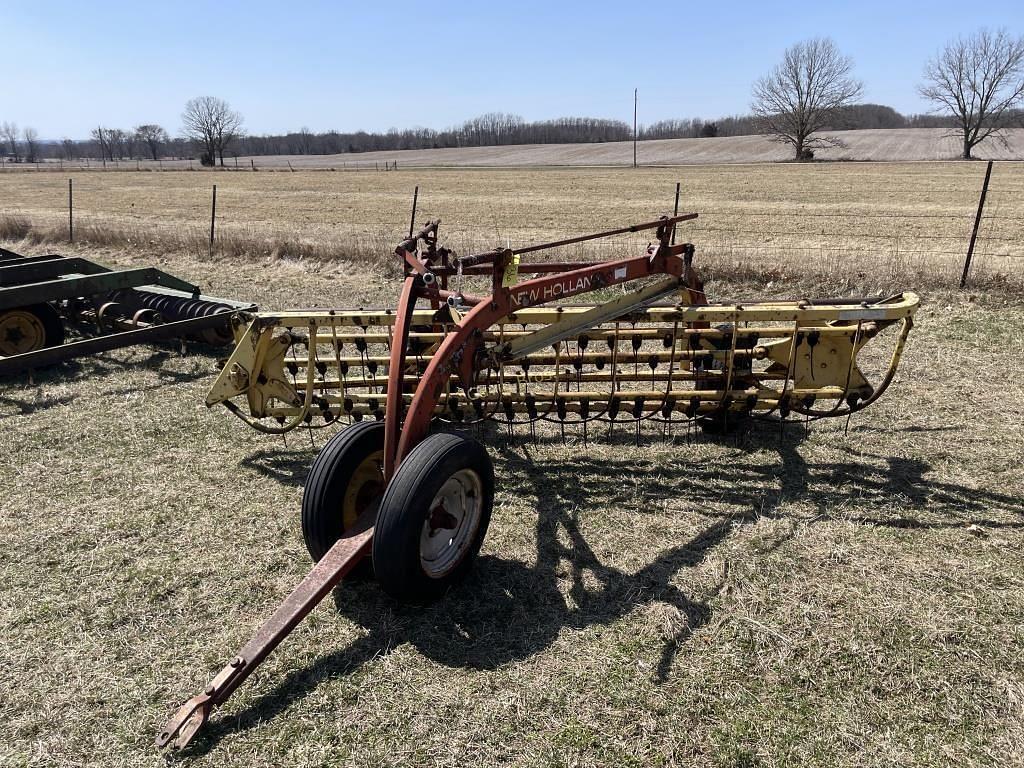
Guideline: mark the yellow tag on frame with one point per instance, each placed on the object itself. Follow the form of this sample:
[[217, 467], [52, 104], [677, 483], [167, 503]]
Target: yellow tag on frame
[[511, 276]]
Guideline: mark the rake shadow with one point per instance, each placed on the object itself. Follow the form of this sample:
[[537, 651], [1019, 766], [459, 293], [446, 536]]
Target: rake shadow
[[507, 611], [102, 365]]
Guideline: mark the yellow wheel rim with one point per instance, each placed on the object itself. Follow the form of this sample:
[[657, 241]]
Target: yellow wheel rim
[[20, 331], [365, 488]]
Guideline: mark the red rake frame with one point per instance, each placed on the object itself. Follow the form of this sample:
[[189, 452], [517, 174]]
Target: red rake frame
[[461, 350]]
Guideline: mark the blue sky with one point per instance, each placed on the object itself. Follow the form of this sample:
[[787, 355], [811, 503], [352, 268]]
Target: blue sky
[[70, 66]]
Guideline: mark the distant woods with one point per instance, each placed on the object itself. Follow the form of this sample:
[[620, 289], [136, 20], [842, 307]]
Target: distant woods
[[151, 142]]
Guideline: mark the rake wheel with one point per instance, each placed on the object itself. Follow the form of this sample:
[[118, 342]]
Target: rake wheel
[[345, 480], [433, 517]]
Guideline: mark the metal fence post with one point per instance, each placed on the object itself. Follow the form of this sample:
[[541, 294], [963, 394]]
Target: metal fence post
[[977, 224], [675, 211], [71, 209], [213, 217]]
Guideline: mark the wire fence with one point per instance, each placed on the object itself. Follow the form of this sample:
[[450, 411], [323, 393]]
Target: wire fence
[[904, 231], [271, 163]]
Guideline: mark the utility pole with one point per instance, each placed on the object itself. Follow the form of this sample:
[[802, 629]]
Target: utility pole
[[634, 127]]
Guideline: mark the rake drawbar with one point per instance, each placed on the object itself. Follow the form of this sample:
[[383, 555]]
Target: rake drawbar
[[417, 501]]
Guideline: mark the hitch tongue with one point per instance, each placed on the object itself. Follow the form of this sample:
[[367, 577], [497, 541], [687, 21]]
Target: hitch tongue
[[193, 714], [353, 545]]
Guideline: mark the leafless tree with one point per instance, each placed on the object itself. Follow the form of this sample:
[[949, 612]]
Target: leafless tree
[[153, 136], [804, 94], [115, 142], [101, 136], [68, 146], [212, 124], [980, 80], [9, 133], [31, 137]]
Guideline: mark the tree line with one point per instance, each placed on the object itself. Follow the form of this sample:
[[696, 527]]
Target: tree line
[[977, 83], [152, 142]]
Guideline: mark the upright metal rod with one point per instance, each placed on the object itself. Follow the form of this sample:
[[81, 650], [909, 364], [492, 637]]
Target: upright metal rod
[[412, 219], [213, 217], [71, 209], [977, 224], [675, 212], [634, 127]]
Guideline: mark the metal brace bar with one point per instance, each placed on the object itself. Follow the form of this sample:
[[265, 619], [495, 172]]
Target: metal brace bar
[[52, 355], [71, 287], [47, 269], [573, 324]]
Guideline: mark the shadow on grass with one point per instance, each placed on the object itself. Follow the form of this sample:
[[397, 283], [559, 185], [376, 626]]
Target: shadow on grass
[[507, 611], [102, 365]]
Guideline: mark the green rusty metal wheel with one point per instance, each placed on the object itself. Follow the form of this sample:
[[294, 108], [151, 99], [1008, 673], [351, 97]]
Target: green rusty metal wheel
[[27, 329]]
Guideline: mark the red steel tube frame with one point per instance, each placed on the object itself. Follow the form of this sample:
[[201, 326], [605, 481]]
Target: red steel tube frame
[[459, 349]]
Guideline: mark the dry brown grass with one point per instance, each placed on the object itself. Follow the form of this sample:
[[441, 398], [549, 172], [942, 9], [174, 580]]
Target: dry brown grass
[[849, 226], [821, 599], [878, 145]]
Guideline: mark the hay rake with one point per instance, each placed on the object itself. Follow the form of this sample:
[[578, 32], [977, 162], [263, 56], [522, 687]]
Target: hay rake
[[399, 490]]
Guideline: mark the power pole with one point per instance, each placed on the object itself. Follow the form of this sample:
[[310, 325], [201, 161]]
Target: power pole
[[634, 127]]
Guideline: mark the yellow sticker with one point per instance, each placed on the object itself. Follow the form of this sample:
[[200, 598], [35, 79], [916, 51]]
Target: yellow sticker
[[511, 275]]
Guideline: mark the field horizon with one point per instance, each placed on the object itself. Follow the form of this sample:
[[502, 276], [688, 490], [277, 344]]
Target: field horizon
[[865, 145]]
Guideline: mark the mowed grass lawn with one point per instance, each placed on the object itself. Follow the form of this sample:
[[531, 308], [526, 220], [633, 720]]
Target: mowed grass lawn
[[798, 598]]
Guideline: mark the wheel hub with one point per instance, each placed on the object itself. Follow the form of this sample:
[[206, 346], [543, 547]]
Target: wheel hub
[[452, 523], [364, 489], [20, 331]]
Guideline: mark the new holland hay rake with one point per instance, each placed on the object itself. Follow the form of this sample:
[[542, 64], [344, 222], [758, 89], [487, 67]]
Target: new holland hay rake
[[416, 503]]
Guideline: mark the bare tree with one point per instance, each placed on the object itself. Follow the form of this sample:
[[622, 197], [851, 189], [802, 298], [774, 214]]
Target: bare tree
[[9, 133], [980, 80], [153, 136], [115, 142], [212, 124], [804, 94], [68, 147], [101, 136], [31, 137]]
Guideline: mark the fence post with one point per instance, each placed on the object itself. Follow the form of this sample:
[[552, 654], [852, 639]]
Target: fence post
[[412, 220], [977, 224], [213, 217], [71, 209], [675, 212]]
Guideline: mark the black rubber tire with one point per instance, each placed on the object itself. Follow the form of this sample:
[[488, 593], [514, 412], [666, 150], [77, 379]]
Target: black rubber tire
[[52, 323], [323, 497], [406, 505]]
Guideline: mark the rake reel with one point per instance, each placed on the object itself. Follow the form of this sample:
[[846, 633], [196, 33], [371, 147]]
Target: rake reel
[[401, 489]]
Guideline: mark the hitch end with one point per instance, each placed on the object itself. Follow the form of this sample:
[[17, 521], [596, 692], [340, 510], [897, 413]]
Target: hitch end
[[186, 722]]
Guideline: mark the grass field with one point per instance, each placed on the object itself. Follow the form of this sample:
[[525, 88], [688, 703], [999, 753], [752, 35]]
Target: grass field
[[806, 598], [849, 224], [879, 145]]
